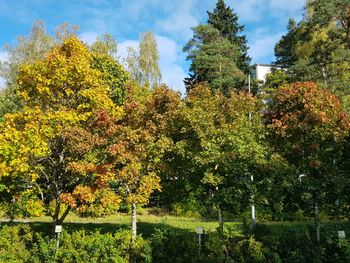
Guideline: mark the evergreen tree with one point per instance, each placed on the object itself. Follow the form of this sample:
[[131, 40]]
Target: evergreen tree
[[218, 53], [225, 20], [213, 60]]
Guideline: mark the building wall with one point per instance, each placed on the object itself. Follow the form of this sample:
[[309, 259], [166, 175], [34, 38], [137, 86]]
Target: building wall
[[261, 70]]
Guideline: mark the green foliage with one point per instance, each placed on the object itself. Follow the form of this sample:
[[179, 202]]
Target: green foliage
[[15, 244], [113, 74], [225, 20], [174, 246], [213, 60], [225, 147], [294, 243], [19, 244], [250, 250], [317, 48]]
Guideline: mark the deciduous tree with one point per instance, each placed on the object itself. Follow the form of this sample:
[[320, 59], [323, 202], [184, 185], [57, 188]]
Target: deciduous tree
[[61, 94], [309, 128], [143, 64]]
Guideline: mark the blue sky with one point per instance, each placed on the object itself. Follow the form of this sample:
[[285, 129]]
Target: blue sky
[[170, 20]]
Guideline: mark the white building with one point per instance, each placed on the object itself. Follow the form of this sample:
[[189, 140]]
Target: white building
[[261, 70]]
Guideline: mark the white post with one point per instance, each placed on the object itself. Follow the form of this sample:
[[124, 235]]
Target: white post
[[251, 177], [200, 231], [133, 222]]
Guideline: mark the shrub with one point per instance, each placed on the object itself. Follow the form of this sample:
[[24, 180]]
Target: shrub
[[250, 251], [82, 247], [15, 244], [174, 246]]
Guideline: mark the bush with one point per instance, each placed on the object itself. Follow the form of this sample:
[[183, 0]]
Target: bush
[[19, 244], [15, 244], [174, 246], [296, 243]]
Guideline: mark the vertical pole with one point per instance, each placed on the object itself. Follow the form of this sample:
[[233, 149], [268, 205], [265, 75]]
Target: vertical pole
[[249, 83], [251, 177], [58, 240], [133, 222], [199, 243]]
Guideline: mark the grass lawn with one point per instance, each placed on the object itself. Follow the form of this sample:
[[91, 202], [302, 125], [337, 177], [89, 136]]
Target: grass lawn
[[146, 223]]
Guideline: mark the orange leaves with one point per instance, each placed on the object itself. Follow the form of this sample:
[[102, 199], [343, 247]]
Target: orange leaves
[[81, 167], [68, 199], [308, 123], [304, 106]]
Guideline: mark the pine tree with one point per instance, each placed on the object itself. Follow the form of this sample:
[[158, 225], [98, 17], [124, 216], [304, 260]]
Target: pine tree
[[225, 20], [213, 60], [218, 53]]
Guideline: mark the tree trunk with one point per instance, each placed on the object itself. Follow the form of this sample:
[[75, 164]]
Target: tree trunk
[[221, 220], [317, 221], [57, 220], [55, 217], [133, 222]]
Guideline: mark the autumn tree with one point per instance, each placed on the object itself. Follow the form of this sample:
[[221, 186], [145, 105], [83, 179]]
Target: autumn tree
[[28, 49], [133, 152], [213, 60], [61, 94], [106, 45], [143, 64], [309, 128], [317, 48], [223, 148]]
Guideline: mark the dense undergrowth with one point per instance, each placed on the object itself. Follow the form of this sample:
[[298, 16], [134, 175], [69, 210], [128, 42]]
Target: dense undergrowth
[[272, 242]]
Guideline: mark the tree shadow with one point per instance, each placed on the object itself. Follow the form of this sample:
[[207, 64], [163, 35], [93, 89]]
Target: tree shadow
[[145, 229]]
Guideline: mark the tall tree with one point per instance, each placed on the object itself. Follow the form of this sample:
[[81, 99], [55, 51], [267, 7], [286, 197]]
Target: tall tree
[[224, 19], [135, 146], [213, 60], [317, 48], [222, 147], [106, 45], [149, 60], [144, 64], [61, 93], [28, 49], [309, 128]]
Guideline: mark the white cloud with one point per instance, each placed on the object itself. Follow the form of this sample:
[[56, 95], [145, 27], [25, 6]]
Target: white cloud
[[3, 55], [122, 47], [167, 49], [170, 63], [179, 24], [248, 10], [262, 47], [88, 37], [173, 75], [289, 6], [2, 83]]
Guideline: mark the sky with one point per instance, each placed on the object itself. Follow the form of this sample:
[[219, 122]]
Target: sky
[[265, 21]]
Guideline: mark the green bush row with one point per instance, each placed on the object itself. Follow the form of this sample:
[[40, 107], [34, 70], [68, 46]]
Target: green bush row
[[19, 244]]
